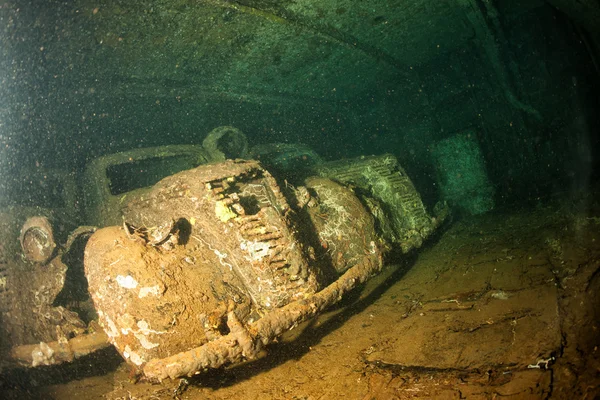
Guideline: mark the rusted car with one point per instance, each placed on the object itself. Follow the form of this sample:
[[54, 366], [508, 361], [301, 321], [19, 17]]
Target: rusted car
[[212, 263]]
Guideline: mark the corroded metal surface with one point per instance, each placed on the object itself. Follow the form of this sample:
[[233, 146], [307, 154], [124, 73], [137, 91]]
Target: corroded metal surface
[[390, 195], [345, 229], [214, 263], [245, 342], [200, 245], [32, 275], [225, 142], [37, 239], [238, 218], [103, 200]]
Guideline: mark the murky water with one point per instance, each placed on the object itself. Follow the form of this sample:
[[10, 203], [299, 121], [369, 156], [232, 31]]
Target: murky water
[[298, 200]]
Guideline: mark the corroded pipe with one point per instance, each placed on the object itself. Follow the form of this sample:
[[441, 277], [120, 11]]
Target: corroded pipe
[[245, 343]]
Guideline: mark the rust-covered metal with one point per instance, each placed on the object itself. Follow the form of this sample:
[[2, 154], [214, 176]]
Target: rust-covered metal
[[201, 244], [346, 231], [34, 308], [245, 342], [225, 142], [214, 263], [113, 180], [60, 351], [389, 194], [37, 239]]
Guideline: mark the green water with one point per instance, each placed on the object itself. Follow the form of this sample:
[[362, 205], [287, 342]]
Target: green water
[[486, 104]]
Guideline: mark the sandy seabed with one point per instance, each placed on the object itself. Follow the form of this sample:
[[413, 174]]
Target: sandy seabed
[[499, 305]]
